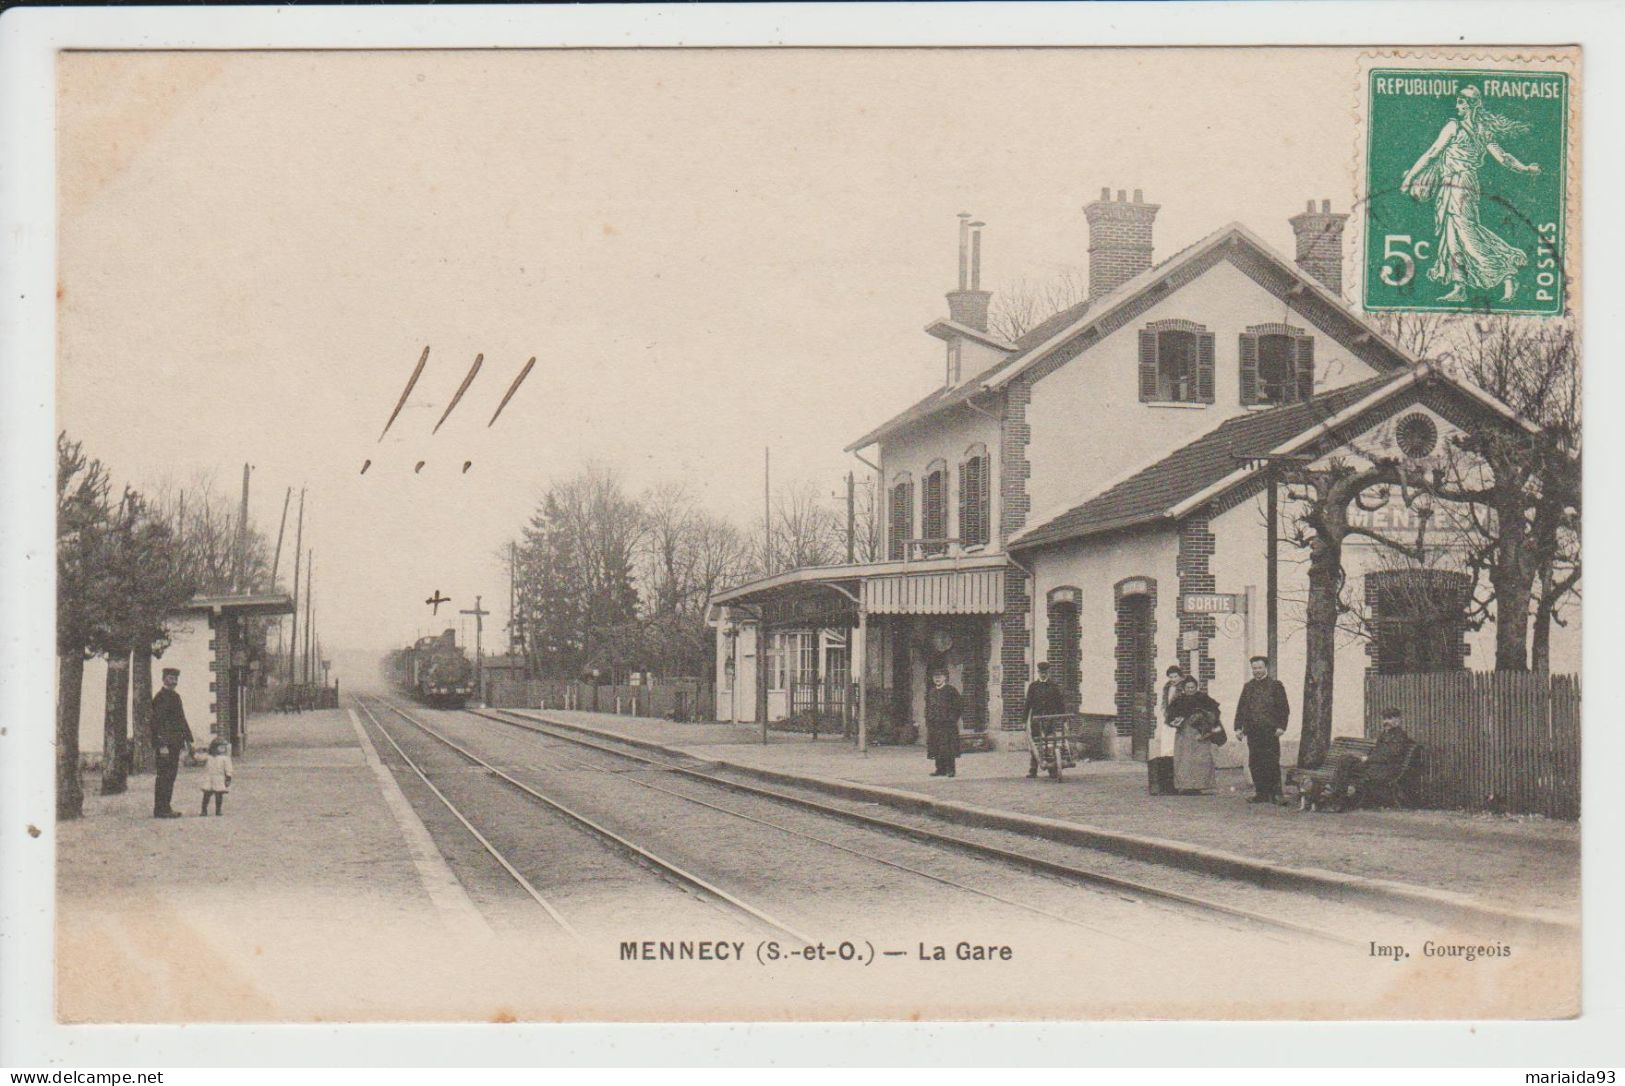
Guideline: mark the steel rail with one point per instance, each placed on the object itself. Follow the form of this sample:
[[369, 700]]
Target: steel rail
[[668, 867], [512, 871], [942, 879], [1019, 859]]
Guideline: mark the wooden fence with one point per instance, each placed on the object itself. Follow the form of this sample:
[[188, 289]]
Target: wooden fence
[[1501, 741], [682, 699]]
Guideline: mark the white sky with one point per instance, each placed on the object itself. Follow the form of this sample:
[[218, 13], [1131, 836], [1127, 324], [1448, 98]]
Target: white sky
[[709, 252]]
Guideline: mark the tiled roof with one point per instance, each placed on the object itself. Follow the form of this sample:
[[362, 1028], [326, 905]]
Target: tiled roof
[[1031, 345], [940, 398], [1151, 493]]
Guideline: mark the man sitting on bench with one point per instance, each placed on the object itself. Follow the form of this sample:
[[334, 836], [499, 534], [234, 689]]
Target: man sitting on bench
[[1355, 777]]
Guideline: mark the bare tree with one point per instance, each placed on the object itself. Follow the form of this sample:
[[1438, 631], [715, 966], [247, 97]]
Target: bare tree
[[1024, 304], [806, 531], [1522, 484]]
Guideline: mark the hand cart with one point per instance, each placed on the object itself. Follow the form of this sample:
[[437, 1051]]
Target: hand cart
[[1055, 742]]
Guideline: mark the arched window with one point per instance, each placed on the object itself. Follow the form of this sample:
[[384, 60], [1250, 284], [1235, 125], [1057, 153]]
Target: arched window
[[974, 507], [900, 527], [1176, 362], [934, 508], [1418, 619], [1066, 643], [1277, 365]]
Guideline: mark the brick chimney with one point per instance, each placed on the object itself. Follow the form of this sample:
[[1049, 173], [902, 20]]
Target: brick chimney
[[1119, 239], [1320, 244], [968, 304]]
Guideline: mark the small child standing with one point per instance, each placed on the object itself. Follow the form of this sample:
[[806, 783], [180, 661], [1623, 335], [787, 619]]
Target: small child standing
[[216, 774]]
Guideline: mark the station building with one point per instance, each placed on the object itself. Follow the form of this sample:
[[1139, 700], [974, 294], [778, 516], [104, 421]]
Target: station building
[[217, 663], [1094, 494]]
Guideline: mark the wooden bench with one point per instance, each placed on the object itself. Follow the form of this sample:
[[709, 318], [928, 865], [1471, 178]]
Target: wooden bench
[[1390, 789]]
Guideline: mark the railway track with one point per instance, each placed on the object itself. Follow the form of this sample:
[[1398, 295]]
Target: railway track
[[662, 866], [1025, 861]]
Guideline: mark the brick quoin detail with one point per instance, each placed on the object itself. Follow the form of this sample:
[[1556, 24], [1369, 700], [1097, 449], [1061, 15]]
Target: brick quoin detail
[[1128, 647], [1013, 652], [1197, 546], [1014, 434]]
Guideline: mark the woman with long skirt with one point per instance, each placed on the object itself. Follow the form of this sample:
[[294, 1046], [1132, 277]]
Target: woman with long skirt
[[1192, 714]]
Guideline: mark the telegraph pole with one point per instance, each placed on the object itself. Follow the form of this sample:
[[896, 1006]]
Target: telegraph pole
[[851, 520], [242, 534], [1272, 587], [310, 569], [282, 528], [479, 614], [298, 554], [767, 512]]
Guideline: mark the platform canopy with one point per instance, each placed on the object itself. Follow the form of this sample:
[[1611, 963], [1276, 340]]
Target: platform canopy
[[264, 603], [833, 595]]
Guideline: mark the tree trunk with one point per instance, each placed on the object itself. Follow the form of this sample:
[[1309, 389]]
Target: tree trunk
[[1513, 591], [70, 676], [116, 727], [141, 709], [1541, 650], [1512, 575], [1320, 650]]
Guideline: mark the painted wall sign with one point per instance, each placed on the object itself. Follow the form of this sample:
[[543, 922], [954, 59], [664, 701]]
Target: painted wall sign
[[1212, 603]]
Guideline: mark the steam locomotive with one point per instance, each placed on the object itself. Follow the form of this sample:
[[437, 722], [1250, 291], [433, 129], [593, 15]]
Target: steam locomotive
[[435, 671]]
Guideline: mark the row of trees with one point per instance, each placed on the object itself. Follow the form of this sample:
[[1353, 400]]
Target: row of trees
[[1512, 494], [608, 581], [124, 565]]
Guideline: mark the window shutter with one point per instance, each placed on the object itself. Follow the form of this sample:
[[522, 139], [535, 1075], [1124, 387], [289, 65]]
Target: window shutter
[[967, 518], [1204, 367], [901, 502], [1148, 366], [984, 502], [1306, 367], [1249, 368]]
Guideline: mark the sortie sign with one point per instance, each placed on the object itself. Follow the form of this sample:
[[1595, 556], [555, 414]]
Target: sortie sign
[[1211, 603]]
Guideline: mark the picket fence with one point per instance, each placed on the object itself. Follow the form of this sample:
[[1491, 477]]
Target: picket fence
[[1507, 742], [682, 699]]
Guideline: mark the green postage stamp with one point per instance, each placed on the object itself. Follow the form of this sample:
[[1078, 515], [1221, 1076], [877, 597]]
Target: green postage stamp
[[1466, 174]]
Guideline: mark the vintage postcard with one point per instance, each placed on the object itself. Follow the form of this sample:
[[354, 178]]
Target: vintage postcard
[[808, 534]]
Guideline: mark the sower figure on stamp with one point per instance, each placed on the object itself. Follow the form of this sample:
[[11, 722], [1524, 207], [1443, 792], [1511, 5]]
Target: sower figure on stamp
[[1469, 253], [1261, 716], [170, 733], [1043, 699], [943, 708]]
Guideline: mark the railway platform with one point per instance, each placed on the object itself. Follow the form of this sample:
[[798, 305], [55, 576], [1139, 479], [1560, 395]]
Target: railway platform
[[310, 886], [1522, 864]]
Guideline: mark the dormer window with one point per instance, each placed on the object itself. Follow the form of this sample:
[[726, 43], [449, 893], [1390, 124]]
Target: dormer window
[[1277, 365], [1176, 363]]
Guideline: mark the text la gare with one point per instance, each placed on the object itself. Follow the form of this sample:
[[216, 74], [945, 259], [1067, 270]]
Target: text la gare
[[966, 952]]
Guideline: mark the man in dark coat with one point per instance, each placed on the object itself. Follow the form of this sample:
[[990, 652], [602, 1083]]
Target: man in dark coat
[[1354, 778], [170, 733], [1261, 717], [1043, 699], [943, 708]]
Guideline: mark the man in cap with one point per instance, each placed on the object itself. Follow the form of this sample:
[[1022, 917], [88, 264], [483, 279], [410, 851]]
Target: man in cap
[[1261, 718], [1043, 699], [170, 733], [943, 708]]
